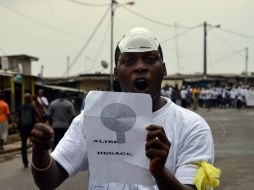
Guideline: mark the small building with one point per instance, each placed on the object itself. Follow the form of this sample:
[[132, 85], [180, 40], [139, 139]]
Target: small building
[[16, 78], [13, 86], [17, 63], [84, 82], [99, 81]]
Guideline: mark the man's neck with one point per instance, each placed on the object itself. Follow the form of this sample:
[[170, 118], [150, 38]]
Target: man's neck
[[158, 103]]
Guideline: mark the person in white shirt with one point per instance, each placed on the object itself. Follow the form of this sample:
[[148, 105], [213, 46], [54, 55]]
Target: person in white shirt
[[42, 99], [42, 106], [173, 164]]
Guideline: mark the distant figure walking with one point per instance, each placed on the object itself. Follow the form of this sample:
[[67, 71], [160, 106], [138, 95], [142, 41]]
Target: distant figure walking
[[26, 118], [61, 112], [4, 117], [42, 106]]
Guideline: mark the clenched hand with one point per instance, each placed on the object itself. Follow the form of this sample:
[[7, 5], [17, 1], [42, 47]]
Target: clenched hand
[[157, 148], [42, 136]]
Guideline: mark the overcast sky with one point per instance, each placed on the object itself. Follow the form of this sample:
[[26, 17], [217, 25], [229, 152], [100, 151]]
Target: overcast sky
[[52, 30]]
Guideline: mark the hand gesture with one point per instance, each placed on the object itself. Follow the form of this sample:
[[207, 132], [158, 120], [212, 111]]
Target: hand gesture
[[42, 137], [157, 148]]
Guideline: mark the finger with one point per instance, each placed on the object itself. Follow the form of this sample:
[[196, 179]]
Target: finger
[[158, 134], [151, 153], [37, 133], [45, 128], [153, 127], [42, 144], [156, 143]]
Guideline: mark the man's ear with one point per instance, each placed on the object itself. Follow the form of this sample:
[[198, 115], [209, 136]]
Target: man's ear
[[164, 69], [115, 73]]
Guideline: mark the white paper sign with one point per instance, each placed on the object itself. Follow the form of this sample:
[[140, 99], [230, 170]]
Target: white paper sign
[[116, 136]]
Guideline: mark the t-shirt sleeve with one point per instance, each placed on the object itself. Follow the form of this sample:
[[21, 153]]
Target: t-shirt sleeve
[[196, 146], [45, 101], [71, 152]]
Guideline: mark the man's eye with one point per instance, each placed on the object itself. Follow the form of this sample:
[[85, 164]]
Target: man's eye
[[127, 61], [152, 59]]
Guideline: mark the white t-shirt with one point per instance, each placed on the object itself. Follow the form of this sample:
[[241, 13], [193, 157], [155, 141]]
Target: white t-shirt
[[43, 101], [190, 136]]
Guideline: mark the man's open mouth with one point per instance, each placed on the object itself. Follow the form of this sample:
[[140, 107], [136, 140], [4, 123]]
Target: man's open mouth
[[141, 84]]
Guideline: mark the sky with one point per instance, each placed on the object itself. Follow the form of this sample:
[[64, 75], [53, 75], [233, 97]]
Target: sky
[[59, 32]]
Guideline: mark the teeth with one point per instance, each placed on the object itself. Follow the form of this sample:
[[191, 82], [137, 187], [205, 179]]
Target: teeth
[[141, 84]]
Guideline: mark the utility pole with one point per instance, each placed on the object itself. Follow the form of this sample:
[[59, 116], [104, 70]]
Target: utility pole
[[177, 50], [113, 2], [68, 66], [246, 64], [205, 56], [205, 45]]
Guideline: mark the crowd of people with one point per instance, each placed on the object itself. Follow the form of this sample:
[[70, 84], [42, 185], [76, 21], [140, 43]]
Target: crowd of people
[[36, 109], [60, 112], [210, 96]]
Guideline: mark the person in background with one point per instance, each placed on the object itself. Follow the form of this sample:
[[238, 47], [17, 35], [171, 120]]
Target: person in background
[[60, 114], [184, 94], [195, 94], [39, 109], [179, 143], [43, 105], [26, 119], [4, 117]]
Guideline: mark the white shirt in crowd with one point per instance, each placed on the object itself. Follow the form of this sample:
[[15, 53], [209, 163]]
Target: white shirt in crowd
[[43, 100]]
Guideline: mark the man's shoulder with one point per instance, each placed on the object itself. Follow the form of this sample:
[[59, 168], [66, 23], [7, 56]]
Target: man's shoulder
[[54, 102], [186, 118], [79, 120]]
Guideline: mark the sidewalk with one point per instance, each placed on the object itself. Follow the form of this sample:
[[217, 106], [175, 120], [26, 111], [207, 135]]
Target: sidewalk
[[11, 148]]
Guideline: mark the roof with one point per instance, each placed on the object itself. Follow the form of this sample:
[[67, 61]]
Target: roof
[[11, 74], [60, 88], [21, 56]]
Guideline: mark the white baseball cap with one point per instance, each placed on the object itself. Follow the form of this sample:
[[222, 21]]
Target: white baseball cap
[[138, 40]]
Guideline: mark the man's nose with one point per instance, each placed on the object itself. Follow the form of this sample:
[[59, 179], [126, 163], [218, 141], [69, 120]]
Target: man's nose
[[140, 66]]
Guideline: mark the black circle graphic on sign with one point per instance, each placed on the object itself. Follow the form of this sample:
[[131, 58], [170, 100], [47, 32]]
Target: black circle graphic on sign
[[119, 118]]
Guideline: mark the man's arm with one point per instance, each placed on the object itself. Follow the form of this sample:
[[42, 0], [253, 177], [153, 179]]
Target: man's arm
[[157, 149], [46, 172]]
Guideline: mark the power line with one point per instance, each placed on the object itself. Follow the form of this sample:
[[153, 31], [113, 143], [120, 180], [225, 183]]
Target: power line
[[188, 53], [227, 44], [229, 56], [153, 20], [90, 4], [39, 22], [87, 42], [181, 33], [2, 50], [224, 41], [100, 48], [177, 50], [237, 33]]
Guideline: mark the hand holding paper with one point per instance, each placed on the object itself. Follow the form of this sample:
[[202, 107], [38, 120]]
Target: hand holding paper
[[157, 148]]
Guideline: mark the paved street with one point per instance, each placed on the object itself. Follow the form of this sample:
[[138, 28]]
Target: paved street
[[233, 132], [14, 177]]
